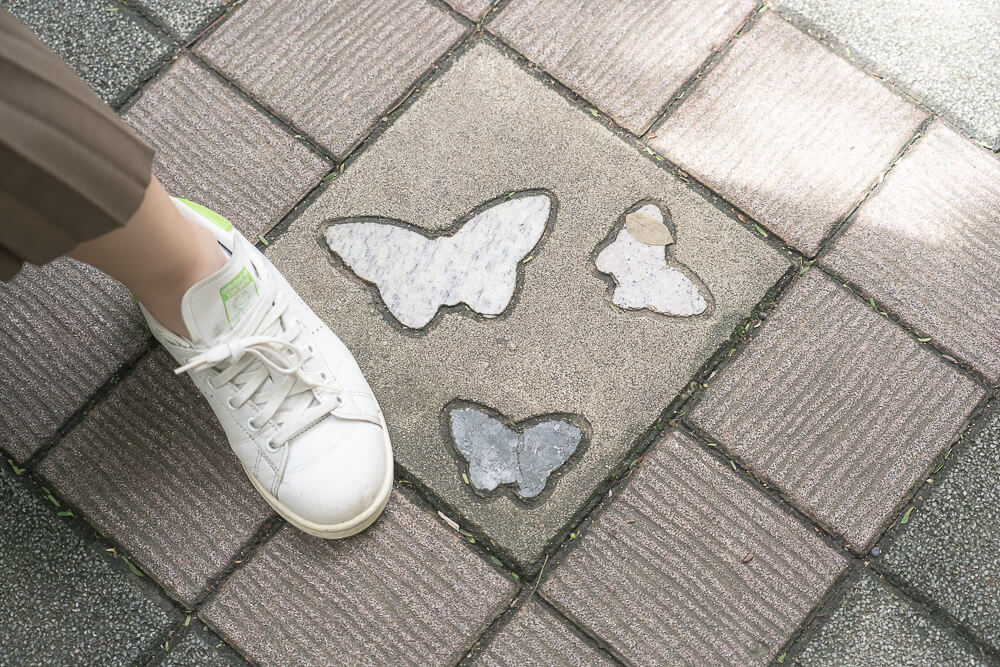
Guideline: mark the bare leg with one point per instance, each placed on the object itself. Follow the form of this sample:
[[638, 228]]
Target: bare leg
[[158, 255]]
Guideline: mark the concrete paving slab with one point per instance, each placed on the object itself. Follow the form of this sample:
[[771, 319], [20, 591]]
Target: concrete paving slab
[[561, 348], [183, 19], [950, 550], [61, 601], [473, 9], [151, 468], [943, 53], [407, 591], [788, 131], [837, 407], [64, 330], [216, 149], [538, 636], [629, 58], [101, 40], [201, 647], [874, 625], [332, 68], [689, 564], [927, 245]]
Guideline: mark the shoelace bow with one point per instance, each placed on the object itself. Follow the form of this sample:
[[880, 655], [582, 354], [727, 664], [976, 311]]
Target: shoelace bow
[[250, 361]]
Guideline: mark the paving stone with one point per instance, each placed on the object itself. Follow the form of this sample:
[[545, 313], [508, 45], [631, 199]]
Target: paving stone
[[537, 636], [945, 54], [838, 407], [473, 9], [64, 329], [950, 550], [216, 149], [559, 348], [629, 58], [331, 67], [151, 468], [788, 131], [61, 601], [101, 40], [874, 625], [688, 563], [927, 245], [406, 591], [184, 19], [200, 647]]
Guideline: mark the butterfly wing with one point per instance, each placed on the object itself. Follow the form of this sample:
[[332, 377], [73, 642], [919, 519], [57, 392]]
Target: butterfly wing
[[544, 447], [487, 444]]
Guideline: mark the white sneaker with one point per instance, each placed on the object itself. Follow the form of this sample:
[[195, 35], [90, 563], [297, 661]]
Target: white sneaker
[[293, 402]]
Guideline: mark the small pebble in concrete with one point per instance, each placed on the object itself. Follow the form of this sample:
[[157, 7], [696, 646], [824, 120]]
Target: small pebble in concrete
[[476, 266], [498, 454], [200, 647], [646, 275]]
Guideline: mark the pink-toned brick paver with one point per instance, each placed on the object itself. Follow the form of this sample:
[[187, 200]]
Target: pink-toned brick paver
[[690, 564], [927, 245], [838, 407], [628, 58], [788, 131], [151, 468], [473, 9], [215, 148], [332, 67]]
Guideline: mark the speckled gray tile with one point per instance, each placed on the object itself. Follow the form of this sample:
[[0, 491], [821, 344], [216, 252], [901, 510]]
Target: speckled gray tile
[[873, 625], [61, 602], [151, 468], [628, 58], [408, 590], [473, 9], [944, 53], [927, 245], [64, 329], [837, 407], [184, 19], [200, 647], [102, 40], [331, 66], [561, 347], [788, 132], [689, 564], [538, 636], [950, 550], [216, 149]]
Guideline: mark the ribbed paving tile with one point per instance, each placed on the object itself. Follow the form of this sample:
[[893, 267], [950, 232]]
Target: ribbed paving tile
[[215, 148], [788, 131], [837, 406], [950, 550], [628, 58], [151, 468], [927, 245], [688, 563], [474, 9], [537, 636], [874, 625], [408, 590], [64, 329], [331, 67]]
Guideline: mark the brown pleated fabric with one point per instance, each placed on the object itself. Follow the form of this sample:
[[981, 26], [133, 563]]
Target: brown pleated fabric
[[70, 169]]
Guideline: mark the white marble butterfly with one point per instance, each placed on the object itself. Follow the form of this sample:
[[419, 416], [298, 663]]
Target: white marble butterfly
[[416, 275]]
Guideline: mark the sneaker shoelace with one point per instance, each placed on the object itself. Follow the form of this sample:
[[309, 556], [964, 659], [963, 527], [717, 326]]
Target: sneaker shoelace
[[266, 366]]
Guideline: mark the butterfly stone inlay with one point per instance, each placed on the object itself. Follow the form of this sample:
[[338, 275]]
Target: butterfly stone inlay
[[498, 454], [417, 275]]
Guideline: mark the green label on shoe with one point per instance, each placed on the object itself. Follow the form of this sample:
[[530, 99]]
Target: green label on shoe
[[237, 296]]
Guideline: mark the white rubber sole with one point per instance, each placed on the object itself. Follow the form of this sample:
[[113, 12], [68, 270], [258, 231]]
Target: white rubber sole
[[337, 531]]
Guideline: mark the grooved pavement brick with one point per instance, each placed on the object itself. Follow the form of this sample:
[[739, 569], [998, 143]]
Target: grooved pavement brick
[[660, 574], [64, 329], [928, 246], [788, 131], [473, 9], [405, 591], [537, 636], [628, 58], [151, 468], [837, 406], [215, 148], [874, 625], [950, 550], [331, 66]]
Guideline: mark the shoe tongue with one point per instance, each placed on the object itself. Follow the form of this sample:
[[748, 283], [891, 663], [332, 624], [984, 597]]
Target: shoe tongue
[[214, 307]]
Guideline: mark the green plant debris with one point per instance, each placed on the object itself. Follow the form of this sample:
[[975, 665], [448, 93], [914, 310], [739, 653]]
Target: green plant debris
[[496, 561], [711, 444], [733, 464], [760, 230], [263, 240], [465, 478], [332, 174], [65, 513], [13, 466], [614, 308], [52, 498], [906, 516], [573, 536], [136, 571], [924, 340], [594, 112], [187, 620], [781, 658]]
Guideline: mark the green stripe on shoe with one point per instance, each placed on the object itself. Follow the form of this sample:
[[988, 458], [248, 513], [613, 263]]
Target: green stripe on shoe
[[212, 216]]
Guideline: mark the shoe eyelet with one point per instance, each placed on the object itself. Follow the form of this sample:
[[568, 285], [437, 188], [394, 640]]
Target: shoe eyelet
[[229, 402], [252, 427], [271, 447]]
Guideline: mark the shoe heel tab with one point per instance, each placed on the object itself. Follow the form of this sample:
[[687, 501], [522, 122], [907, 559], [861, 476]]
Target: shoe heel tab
[[206, 213]]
